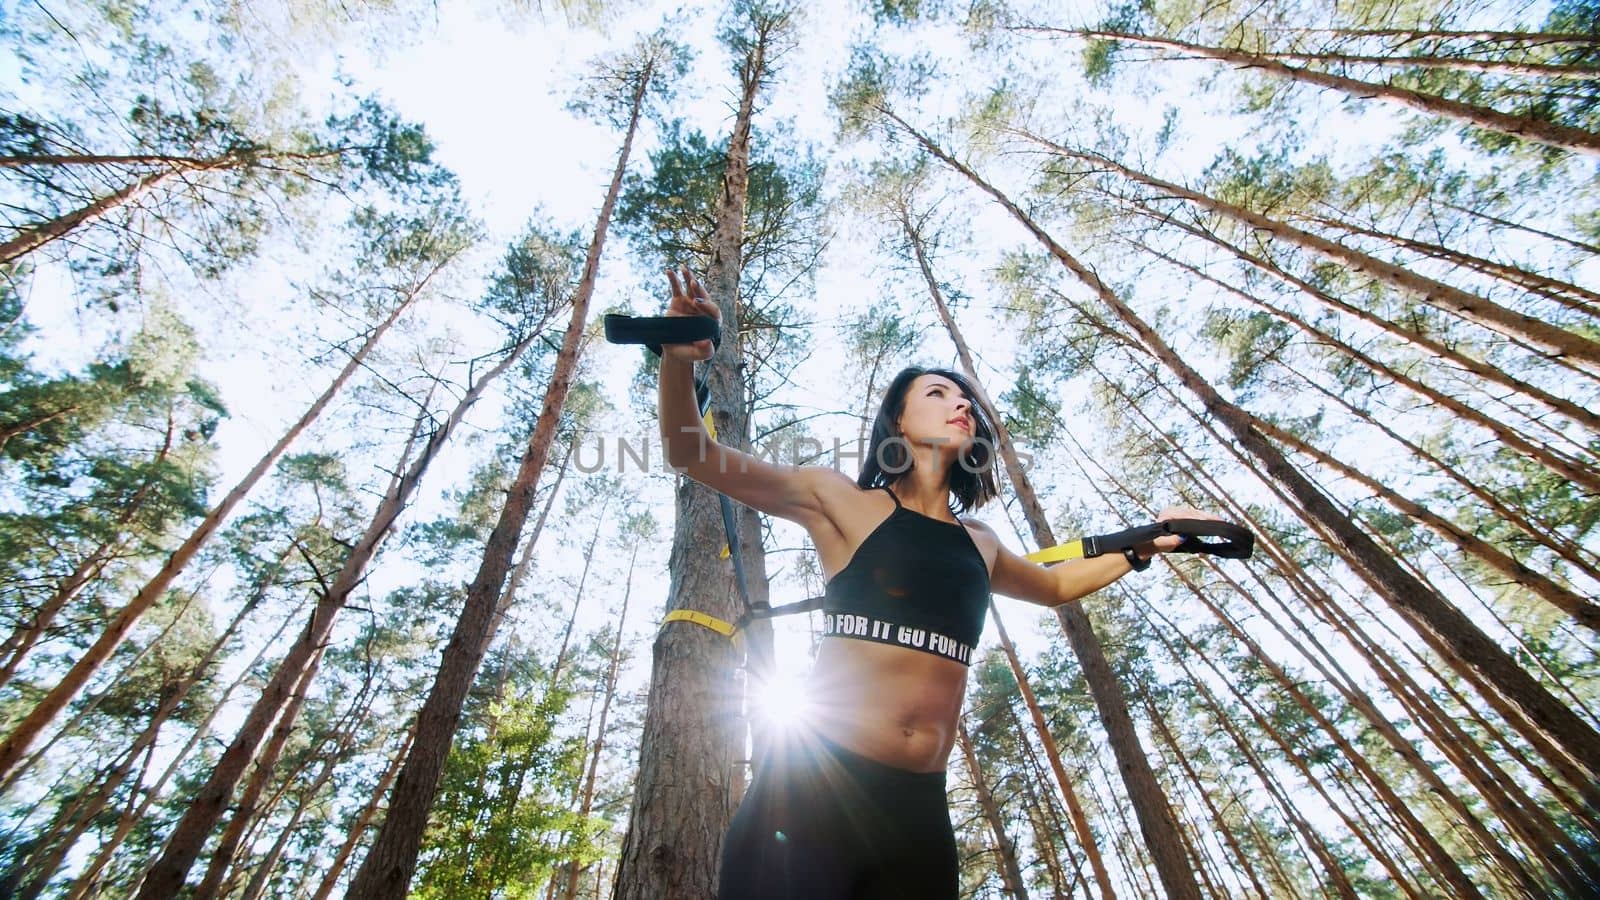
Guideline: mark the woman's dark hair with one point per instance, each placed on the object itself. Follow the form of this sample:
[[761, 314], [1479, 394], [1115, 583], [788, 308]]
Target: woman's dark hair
[[888, 451]]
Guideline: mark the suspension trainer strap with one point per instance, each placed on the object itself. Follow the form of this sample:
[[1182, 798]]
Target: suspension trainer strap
[[1235, 543], [652, 332]]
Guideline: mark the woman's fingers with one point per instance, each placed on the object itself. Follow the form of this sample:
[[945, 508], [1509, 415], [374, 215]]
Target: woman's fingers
[[677, 290]]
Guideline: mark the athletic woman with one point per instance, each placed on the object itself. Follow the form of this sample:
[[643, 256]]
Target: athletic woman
[[853, 805]]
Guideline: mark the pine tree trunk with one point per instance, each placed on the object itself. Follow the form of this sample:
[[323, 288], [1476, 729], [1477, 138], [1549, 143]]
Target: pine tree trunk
[[1582, 611], [1435, 348], [1004, 847], [1080, 822], [364, 819], [245, 810], [85, 882], [30, 239], [1309, 835], [689, 779], [1189, 772], [188, 837], [586, 804], [391, 861], [1432, 615], [1531, 128], [1550, 752], [1565, 293], [16, 744], [108, 784]]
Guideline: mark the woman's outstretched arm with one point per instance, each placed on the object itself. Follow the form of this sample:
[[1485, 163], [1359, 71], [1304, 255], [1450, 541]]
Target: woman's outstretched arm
[[1016, 576]]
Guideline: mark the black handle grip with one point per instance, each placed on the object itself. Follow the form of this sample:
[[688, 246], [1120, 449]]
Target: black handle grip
[[653, 331], [1236, 542]]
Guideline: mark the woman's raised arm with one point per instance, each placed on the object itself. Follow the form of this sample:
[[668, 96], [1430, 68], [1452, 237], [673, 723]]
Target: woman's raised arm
[[787, 491]]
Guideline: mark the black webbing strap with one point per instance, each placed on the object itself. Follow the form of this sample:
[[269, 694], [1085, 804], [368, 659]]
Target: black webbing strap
[[653, 331]]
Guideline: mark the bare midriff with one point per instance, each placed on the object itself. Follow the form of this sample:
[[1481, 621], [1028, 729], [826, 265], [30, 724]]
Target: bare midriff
[[890, 704]]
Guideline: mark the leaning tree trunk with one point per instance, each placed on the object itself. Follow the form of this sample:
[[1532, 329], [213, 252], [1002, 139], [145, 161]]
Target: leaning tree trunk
[[1531, 128], [15, 746], [365, 818], [1430, 345], [689, 778], [1080, 822], [586, 803], [1156, 823], [1005, 847], [165, 878], [392, 860], [1425, 609]]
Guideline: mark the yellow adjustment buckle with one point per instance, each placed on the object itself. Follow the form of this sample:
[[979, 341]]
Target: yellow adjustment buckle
[[699, 618], [1058, 553]]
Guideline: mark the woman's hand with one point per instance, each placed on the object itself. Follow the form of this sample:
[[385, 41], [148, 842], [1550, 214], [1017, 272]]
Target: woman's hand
[[1168, 541], [689, 298]]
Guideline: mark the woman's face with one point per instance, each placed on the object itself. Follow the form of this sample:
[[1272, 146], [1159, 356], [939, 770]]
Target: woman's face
[[937, 412]]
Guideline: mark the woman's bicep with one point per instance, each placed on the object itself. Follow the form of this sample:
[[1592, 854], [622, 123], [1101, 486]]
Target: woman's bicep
[[786, 491], [1016, 576]]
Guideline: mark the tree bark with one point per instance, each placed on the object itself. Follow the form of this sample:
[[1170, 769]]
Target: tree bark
[[689, 779], [391, 861]]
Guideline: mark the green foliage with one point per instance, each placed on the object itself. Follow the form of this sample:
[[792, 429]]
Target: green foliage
[[671, 215], [503, 800]]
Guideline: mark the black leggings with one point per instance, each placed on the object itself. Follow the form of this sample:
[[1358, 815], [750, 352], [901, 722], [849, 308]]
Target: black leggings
[[823, 823]]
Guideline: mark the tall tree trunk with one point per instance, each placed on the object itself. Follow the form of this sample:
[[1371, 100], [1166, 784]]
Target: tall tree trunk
[[89, 568], [1080, 822], [85, 883], [1565, 293], [1311, 836], [109, 783], [16, 744], [1429, 345], [1221, 824], [166, 877], [1432, 615], [586, 804], [1467, 305], [1004, 847], [391, 861], [688, 779], [1584, 612], [1155, 818], [1309, 587], [245, 810], [1529, 127], [365, 818]]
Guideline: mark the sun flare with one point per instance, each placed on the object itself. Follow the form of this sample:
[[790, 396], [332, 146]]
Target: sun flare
[[782, 701]]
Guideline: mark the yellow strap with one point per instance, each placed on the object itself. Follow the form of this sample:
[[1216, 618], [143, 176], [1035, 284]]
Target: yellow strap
[[711, 427], [1058, 553], [699, 618]]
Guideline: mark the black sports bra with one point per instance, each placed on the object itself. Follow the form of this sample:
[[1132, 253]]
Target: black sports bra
[[915, 582]]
